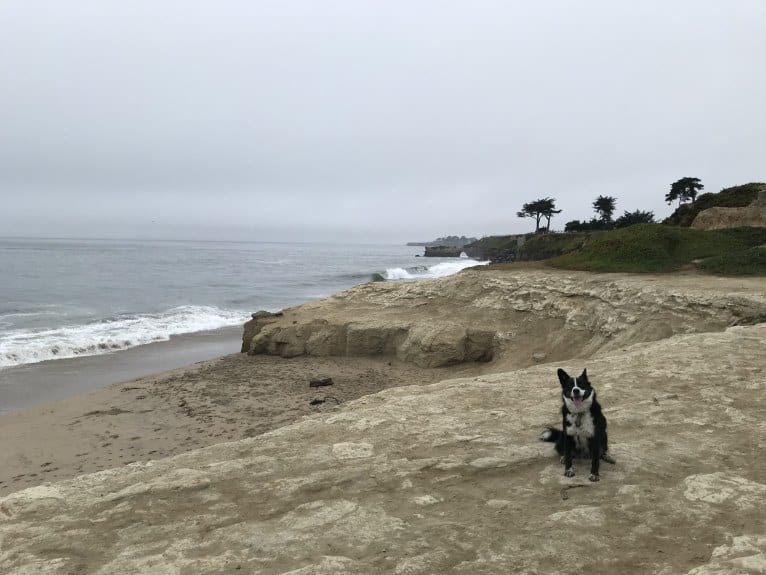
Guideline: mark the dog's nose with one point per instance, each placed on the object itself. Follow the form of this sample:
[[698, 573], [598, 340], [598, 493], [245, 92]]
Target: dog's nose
[[576, 392]]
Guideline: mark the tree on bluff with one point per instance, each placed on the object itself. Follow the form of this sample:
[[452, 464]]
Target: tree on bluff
[[604, 207], [543, 208], [684, 190]]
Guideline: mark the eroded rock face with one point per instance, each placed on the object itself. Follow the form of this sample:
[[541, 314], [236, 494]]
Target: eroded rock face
[[252, 327], [507, 317], [448, 478], [718, 218]]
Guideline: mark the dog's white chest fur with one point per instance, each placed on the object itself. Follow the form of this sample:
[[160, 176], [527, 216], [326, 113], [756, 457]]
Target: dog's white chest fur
[[580, 427]]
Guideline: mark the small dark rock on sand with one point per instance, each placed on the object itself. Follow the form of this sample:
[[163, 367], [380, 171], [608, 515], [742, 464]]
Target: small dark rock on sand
[[320, 381]]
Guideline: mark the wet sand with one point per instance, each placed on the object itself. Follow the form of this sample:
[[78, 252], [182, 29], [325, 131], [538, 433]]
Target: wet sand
[[39, 383]]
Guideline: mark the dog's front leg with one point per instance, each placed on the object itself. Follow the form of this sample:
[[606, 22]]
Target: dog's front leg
[[568, 455], [594, 469], [595, 450]]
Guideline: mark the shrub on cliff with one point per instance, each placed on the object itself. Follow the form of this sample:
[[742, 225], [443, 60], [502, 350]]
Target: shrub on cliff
[[633, 218], [625, 220], [587, 226]]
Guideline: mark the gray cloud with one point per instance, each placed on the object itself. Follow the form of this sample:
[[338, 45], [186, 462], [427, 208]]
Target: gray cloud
[[395, 120]]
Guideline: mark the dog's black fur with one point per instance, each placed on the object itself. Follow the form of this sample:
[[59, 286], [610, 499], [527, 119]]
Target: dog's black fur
[[584, 425]]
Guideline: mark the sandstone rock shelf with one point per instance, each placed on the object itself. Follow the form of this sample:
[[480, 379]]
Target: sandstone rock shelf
[[506, 317], [450, 477]]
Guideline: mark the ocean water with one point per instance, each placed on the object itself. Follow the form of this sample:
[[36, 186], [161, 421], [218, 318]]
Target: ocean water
[[70, 298]]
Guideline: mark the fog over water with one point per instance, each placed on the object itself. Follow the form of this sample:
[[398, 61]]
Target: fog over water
[[369, 121]]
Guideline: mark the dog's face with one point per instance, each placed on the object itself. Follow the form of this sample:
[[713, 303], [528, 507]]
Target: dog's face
[[577, 392]]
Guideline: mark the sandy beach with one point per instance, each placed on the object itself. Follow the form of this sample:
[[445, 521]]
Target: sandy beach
[[225, 399]]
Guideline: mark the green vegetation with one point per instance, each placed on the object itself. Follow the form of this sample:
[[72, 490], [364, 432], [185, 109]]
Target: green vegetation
[[545, 246], [494, 248], [633, 218], [750, 262], [604, 206], [625, 220], [734, 197], [634, 242], [524, 247], [658, 248]]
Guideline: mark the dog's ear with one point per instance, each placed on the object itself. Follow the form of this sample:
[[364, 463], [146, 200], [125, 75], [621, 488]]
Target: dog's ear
[[584, 375], [563, 376]]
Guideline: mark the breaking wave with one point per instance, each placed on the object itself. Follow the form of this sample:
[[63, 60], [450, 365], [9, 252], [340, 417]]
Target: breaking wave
[[439, 270], [22, 346]]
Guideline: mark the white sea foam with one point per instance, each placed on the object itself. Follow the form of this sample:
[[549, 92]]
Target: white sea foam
[[10, 319], [19, 347], [26, 314], [439, 270]]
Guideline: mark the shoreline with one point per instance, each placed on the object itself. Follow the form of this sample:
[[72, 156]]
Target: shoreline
[[36, 384], [152, 402]]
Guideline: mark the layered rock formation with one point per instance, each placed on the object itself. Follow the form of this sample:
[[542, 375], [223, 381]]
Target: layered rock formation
[[447, 478], [507, 317], [717, 218], [450, 478]]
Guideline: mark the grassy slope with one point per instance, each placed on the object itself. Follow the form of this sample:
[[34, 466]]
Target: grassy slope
[[536, 246], [661, 248], [544, 246], [748, 262]]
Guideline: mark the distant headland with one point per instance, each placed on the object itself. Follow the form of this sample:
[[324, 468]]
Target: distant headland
[[453, 241]]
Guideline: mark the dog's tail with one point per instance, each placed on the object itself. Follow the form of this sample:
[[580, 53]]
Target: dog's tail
[[551, 434]]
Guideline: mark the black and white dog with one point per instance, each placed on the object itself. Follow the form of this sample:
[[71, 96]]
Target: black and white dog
[[584, 425]]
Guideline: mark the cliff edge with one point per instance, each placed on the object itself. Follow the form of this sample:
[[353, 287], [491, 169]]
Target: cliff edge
[[509, 318]]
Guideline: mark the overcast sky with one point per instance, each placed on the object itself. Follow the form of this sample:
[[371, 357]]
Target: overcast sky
[[368, 120]]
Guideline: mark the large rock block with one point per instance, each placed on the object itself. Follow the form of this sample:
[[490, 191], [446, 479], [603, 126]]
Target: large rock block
[[316, 337], [443, 343], [505, 317], [251, 328], [376, 337], [752, 216]]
